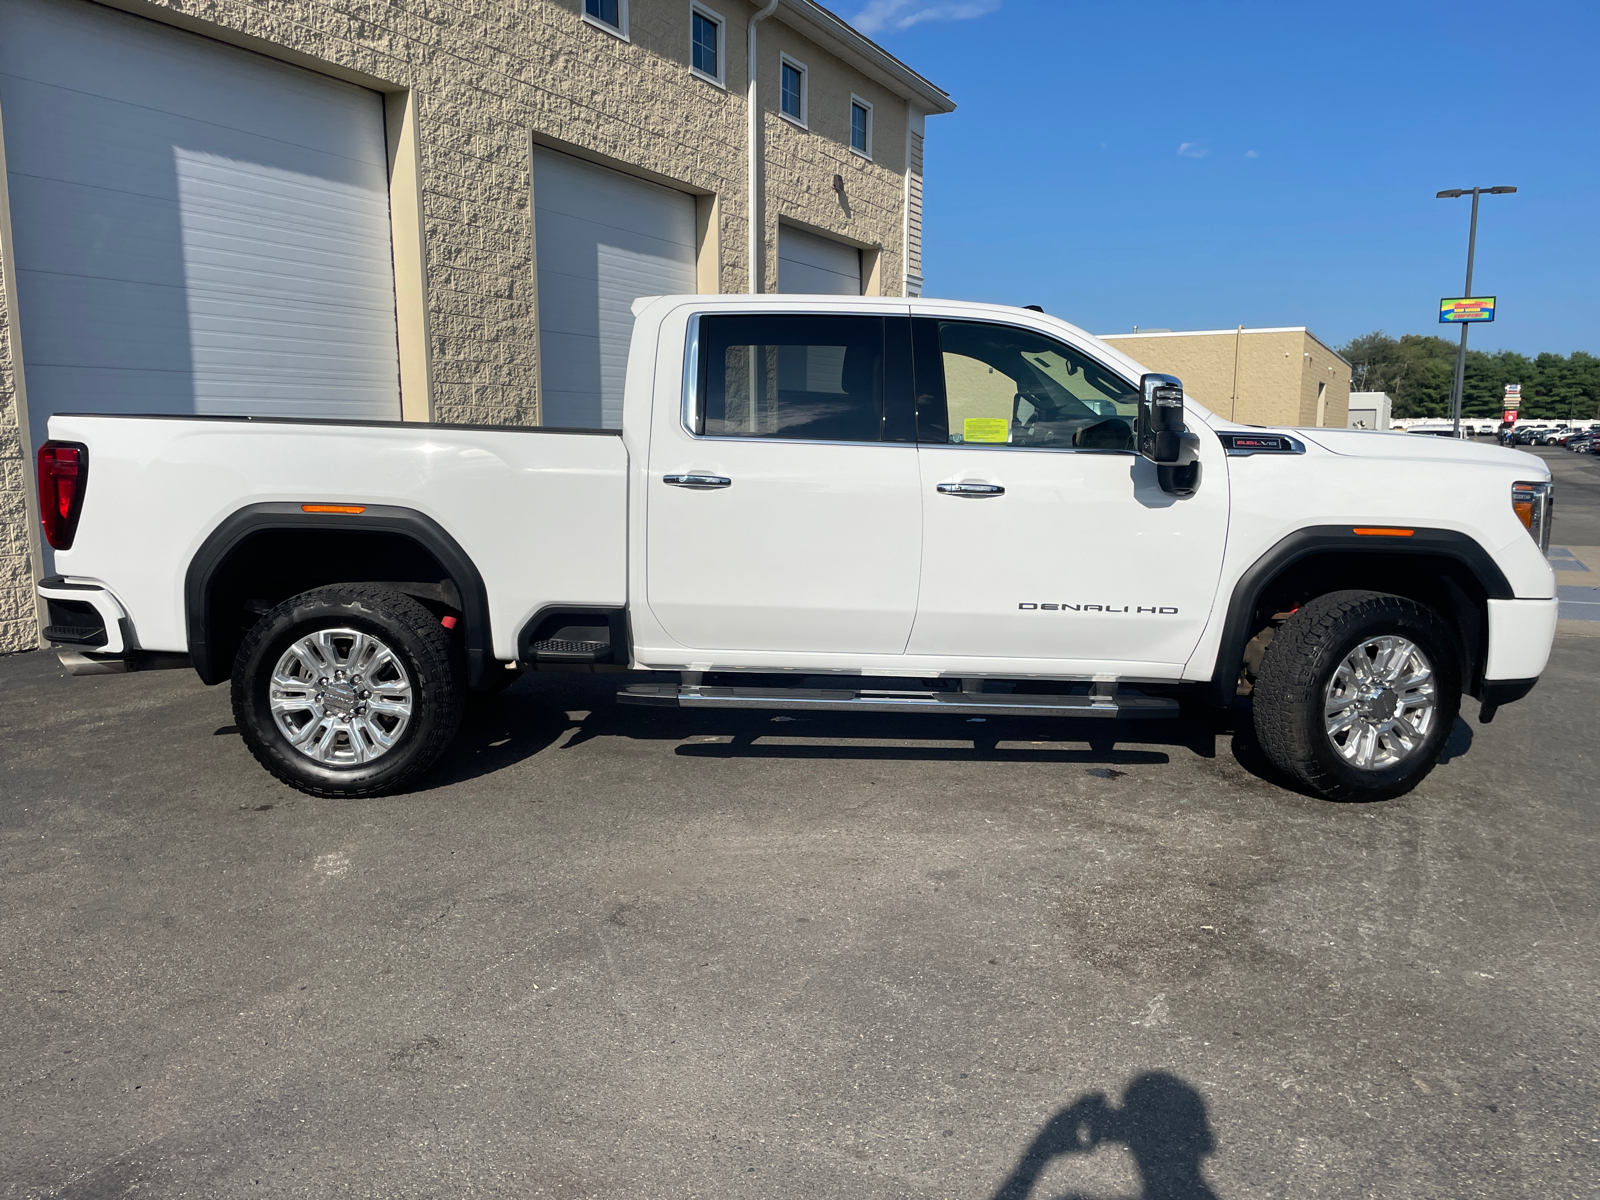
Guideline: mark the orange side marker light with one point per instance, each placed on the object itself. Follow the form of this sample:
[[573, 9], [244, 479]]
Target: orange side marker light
[[1384, 532], [334, 508]]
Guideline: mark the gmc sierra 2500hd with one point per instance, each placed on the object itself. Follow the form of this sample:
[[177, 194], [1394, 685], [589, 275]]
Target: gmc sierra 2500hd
[[814, 503]]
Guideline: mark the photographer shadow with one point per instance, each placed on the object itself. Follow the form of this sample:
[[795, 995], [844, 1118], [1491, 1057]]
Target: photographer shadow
[[1162, 1122]]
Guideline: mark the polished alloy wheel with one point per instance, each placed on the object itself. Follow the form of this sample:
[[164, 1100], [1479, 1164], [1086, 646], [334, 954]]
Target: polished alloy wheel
[[1380, 705], [341, 697]]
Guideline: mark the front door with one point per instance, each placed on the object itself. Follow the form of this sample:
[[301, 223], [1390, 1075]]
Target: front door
[[783, 506], [1045, 536]]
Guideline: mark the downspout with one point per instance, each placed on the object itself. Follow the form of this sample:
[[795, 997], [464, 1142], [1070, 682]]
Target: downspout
[[1233, 405], [753, 111]]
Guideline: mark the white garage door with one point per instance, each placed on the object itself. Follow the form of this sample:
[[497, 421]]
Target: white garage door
[[603, 240], [198, 229], [808, 263]]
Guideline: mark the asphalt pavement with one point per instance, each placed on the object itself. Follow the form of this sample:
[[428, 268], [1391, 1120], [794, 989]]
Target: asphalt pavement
[[610, 951]]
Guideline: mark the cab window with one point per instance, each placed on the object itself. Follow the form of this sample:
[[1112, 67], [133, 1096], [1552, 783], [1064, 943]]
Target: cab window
[[1006, 386], [791, 376]]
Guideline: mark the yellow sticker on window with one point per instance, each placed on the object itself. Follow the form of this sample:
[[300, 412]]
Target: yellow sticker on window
[[986, 429]]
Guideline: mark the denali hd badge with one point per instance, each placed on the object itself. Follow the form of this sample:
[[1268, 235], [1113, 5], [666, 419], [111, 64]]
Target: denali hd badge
[[1102, 608]]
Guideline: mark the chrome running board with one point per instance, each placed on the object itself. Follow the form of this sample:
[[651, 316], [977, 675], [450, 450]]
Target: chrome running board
[[1101, 700]]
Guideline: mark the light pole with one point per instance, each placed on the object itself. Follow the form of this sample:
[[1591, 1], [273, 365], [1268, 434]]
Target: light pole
[[1457, 388]]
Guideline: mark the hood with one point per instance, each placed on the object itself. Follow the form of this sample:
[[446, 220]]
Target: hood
[[1417, 447]]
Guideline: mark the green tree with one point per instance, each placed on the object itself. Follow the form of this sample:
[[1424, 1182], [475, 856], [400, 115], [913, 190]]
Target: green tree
[[1417, 371]]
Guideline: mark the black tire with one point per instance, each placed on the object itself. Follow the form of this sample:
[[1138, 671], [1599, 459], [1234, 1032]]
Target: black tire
[[420, 645], [1292, 682]]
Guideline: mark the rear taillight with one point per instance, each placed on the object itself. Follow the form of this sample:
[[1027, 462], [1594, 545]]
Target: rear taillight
[[63, 475], [1534, 504]]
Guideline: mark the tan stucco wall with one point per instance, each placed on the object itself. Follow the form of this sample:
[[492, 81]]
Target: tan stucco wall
[[486, 80], [1277, 373], [801, 163]]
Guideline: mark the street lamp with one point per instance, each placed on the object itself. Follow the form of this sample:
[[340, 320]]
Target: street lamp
[[1457, 388]]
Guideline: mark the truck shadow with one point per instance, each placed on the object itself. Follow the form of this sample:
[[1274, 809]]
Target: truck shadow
[[539, 712], [567, 711], [1162, 1123]]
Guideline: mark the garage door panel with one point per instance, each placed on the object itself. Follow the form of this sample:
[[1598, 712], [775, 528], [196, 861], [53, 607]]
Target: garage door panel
[[581, 250], [604, 240], [92, 389], [808, 263], [247, 198], [121, 156], [571, 361], [131, 148], [575, 188], [94, 232], [134, 61], [136, 326]]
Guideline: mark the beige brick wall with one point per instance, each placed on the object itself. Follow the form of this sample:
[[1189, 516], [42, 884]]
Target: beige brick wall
[[801, 163], [1323, 366], [18, 626], [1277, 373], [488, 77], [19, 540]]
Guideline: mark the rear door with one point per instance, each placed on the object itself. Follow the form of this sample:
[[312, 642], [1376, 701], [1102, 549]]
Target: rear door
[[783, 499]]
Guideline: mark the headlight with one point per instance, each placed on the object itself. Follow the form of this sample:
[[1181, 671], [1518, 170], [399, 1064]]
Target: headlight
[[1534, 504]]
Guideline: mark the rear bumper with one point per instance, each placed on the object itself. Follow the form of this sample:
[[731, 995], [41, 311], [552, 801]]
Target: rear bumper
[[90, 630], [83, 617]]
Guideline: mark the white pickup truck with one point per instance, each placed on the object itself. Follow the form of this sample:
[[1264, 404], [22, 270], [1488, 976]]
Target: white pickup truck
[[814, 503]]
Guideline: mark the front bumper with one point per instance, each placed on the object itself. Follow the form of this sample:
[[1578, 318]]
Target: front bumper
[[1520, 635]]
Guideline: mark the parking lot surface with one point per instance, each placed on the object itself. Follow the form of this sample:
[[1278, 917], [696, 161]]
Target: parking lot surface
[[608, 951]]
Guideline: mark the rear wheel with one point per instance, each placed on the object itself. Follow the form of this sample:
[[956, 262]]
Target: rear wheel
[[348, 690], [1356, 695]]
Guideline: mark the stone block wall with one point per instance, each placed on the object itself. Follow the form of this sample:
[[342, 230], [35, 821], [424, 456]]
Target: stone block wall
[[19, 627]]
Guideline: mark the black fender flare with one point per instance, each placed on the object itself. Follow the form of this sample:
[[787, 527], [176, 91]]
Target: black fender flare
[[1318, 539], [375, 518]]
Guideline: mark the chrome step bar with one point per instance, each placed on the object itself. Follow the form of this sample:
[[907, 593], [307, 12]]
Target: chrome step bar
[[1101, 700]]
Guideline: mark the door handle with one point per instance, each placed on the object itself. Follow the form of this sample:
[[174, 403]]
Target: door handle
[[700, 483], [972, 489]]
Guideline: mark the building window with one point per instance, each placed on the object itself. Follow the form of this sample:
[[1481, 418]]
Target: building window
[[792, 91], [610, 15], [860, 126], [705, 49]]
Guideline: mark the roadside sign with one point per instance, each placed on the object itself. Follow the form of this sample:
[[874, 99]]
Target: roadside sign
[[1466, 309], [1512, 402]]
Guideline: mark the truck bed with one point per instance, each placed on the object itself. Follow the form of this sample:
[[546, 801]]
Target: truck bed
[[541, 512]]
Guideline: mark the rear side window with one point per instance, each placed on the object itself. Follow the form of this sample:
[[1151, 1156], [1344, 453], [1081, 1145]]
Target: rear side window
[[791, 376]]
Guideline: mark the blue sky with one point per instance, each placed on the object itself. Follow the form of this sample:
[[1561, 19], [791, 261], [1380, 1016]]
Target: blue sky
[[1205, 165]]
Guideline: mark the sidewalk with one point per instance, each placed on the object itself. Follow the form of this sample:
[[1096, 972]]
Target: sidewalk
[[1578, 586]]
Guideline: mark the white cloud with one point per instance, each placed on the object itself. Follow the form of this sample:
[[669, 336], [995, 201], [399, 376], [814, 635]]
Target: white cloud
[[1251, 154], [903, 14], [1194, 150]]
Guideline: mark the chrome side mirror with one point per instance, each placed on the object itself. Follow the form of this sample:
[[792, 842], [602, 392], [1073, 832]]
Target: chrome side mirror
[[1163, 437]]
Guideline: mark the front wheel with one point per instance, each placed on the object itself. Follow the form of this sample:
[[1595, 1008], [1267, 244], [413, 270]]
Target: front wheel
[[1356, 695], [349, 690]]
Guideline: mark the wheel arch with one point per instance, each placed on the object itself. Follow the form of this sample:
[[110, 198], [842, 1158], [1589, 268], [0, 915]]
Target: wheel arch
[[1447, 570], [246, 560]]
